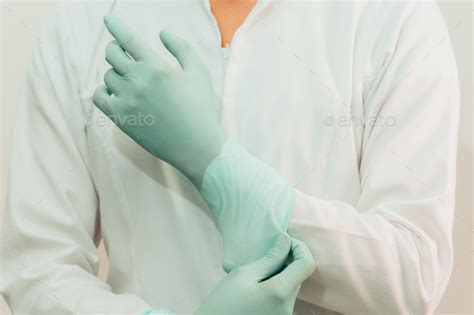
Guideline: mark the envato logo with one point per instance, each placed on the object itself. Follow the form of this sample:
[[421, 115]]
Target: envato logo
[[370, 121], [135, 120]]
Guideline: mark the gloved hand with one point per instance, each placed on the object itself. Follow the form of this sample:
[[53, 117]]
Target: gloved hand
[[180, 101], [247, 289], [251, 202]]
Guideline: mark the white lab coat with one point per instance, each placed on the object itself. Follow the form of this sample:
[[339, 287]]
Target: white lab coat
[[375, 198]]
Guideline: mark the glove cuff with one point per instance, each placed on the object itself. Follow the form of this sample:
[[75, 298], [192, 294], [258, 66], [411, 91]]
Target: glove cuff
[[236, 179]]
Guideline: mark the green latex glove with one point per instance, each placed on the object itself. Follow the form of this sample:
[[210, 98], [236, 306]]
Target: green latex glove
[[180, 102], [255, 289], [252, 204]]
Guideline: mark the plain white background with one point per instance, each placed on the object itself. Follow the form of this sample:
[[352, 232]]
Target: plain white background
[[21, 22]]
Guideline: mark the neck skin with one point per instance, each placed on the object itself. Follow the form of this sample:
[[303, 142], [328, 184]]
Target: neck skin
[[230, 14]]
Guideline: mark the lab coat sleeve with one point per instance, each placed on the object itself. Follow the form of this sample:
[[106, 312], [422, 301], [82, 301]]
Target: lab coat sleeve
[[49, 260], [392, 252]]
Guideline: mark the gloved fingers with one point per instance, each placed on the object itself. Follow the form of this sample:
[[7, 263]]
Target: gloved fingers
[[296, 272], [127, 38], [181, 49], [118, 58], [273, 260], [131, 42], [104, 101], [114, 81]]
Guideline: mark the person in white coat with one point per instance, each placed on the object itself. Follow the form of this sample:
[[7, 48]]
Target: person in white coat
[[355, 105]]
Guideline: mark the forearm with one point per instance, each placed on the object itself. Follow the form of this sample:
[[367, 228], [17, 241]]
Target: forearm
[[368, 260], [247, 197]]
